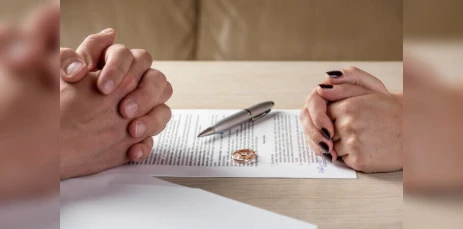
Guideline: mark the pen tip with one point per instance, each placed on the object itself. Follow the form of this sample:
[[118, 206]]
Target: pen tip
[[206, 132]]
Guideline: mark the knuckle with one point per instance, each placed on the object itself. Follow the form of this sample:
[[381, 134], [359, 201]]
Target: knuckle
[[351, 69], [358, 163], [92, 38], [167, 114], [345, 107], [156, 76], [354, 145], [162, 79], [161, 121], [170, 90], [142, 54], [348, 126], [122, 50], [350, 106]]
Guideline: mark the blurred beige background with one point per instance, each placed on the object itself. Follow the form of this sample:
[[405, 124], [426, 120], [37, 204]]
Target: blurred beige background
[[12, 10], [433, 19], [243, 29], [433, 34]]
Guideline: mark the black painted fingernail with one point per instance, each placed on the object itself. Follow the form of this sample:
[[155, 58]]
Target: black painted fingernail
[[326, 86], [334, 74], [328, 156], [326, 133], [324, 147]]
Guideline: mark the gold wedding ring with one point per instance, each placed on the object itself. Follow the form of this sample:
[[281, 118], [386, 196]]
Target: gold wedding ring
[[244, 156]]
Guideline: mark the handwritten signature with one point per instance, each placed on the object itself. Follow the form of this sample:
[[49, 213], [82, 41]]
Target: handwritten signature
[[320, 167]]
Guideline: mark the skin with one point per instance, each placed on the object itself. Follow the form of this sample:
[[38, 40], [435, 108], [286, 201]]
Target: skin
[[363, 119], [28, 98], [368, 123], [109, 132], [432, 132]]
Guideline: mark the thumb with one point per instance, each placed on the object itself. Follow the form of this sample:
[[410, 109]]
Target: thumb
[[357, 77], [93, 47], [72, 65]]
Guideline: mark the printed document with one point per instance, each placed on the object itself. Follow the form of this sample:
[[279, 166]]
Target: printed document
[[278, 139]]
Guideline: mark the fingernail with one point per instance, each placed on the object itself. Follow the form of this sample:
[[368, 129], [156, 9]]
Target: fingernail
[[326, 133], [131, 109], [328, 156], [108, 30], [326, 86], [324, 147], [108, 86], [140, 129], [334, 74], [74, 68], [139, 155]]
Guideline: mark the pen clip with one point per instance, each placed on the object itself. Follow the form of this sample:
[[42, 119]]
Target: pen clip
[[260, 116]]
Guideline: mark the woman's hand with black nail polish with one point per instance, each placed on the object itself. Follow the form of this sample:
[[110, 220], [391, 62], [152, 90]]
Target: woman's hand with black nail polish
[[362, 97]]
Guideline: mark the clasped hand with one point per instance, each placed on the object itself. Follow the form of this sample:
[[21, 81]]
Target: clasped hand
[[111, 104], [353, 116]]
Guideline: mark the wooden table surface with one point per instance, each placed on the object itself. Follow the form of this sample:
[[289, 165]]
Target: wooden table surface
[[371, 201]]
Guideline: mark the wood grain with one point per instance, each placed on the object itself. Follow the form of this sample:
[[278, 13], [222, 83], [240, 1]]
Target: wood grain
[[371, 201]]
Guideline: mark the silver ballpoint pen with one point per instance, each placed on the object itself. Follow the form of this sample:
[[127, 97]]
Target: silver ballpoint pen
[[250, 114]]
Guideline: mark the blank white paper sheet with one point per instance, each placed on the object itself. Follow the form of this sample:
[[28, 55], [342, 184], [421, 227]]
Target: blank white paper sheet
[[121, 201]]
